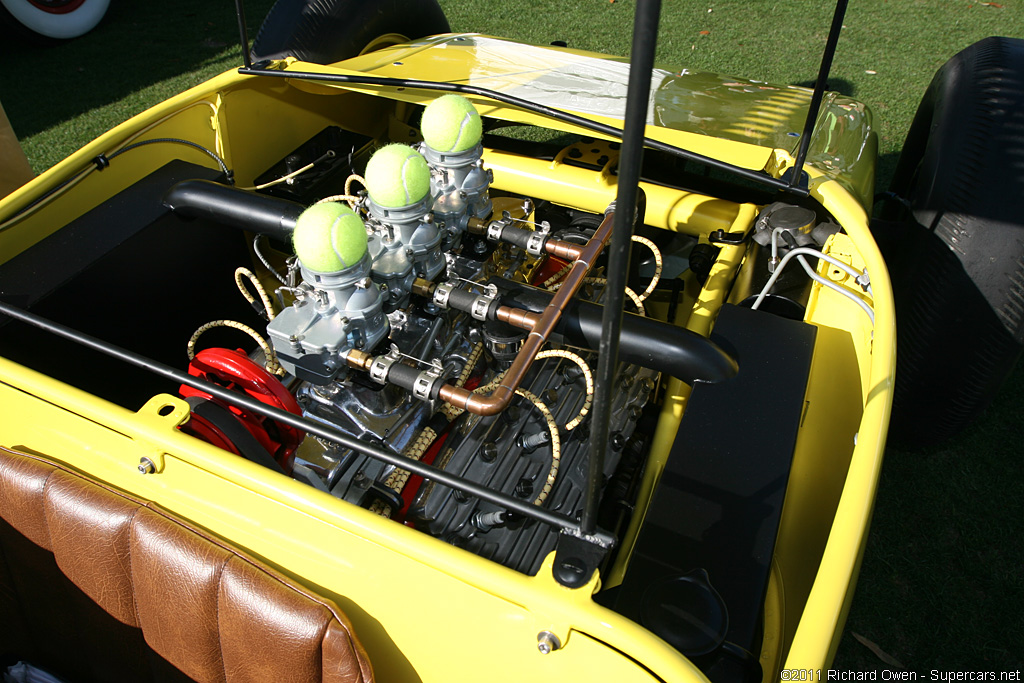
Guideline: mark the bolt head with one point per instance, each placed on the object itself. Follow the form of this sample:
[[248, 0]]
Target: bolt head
[[489, 452], [548, 642]]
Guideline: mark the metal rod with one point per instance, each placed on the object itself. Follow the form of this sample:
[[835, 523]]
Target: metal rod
[[557, 114], [819, 91], [243, 33], [645, 37], [422, 469]]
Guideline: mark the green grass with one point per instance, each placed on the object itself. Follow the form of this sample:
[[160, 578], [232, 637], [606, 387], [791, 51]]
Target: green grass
[[941, 586]]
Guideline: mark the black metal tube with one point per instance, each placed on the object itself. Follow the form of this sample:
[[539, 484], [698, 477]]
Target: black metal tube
[[557, 114], [243, 33], [645, 37], [643, 341], [234, 207], [819, 91], [426, 471]]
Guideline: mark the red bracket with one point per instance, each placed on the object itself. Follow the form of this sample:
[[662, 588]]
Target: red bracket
[[234, 370]]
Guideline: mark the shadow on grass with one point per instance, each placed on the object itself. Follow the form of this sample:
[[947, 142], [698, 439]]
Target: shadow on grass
[[136, 45], [941, 586]]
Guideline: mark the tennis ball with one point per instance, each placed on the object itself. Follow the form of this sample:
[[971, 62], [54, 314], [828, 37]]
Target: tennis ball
[[451, 124], [397, 175], [329, 237]]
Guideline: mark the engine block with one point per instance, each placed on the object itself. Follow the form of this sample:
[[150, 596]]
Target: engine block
[[420, 307]]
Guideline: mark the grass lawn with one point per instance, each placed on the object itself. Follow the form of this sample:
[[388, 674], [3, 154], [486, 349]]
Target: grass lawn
[[942, 585]]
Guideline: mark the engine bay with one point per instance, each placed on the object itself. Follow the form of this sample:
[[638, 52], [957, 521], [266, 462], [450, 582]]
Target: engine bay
[[435, 336], [401, 348], [458, 326], [464, 335]]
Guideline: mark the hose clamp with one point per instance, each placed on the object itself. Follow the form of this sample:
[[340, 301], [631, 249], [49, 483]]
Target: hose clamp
[[421, 388], [535, 244], [423, 385], [482, 303], [494, 230], [442, 293], [381, 365]]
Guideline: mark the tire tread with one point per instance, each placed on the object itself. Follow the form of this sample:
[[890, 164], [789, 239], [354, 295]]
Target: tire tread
[[959, 280]]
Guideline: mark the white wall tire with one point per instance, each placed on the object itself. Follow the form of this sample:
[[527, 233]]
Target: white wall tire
[[56, 20]]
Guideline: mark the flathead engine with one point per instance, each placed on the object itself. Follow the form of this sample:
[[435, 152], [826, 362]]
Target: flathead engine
[[427, 318]]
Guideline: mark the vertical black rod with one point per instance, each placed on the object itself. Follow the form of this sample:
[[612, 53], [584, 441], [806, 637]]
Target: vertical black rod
[[819, 90], [243, 33], [645, 36]]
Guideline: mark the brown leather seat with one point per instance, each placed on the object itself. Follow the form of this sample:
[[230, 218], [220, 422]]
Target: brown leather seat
[[98, 586]]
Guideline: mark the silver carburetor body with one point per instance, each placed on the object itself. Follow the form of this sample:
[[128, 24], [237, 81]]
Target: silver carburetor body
[[333, 313], [459, 185], [405, 244]]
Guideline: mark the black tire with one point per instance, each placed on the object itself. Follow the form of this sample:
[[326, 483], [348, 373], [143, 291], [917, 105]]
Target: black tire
[[327, 31], [958, 266]]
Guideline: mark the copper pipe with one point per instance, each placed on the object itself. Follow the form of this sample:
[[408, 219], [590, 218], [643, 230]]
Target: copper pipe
[[563, 250], [517, 317], [499, 399]]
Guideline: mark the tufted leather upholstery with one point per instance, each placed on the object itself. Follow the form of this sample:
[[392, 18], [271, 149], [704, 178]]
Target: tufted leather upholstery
[[98, 586]]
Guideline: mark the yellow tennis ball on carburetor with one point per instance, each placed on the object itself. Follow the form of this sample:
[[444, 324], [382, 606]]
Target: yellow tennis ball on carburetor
[[397, 175], [329, 237], [451, 124]]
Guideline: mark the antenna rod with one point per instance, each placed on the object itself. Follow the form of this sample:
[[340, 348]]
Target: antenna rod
[[819, 91], [243, 33]]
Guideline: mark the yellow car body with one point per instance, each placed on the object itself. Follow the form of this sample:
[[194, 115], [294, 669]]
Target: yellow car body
[[424, 609]]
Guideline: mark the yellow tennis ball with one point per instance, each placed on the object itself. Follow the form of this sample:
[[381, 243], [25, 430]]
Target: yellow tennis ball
[[397, 175], [451, 124], [329, 237]]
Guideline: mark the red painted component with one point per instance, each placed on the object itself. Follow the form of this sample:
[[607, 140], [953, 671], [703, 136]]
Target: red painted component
[[412, 487], [235, 371], [550, 266], [57, 6]]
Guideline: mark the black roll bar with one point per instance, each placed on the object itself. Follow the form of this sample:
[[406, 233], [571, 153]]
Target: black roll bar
[[645, 36]]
